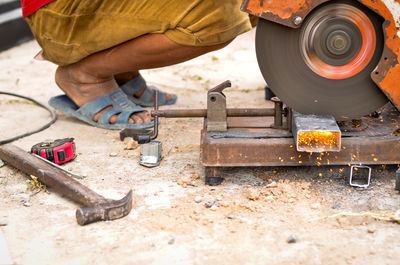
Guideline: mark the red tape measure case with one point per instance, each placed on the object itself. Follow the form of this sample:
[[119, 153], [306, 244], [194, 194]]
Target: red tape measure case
[[59, 151]]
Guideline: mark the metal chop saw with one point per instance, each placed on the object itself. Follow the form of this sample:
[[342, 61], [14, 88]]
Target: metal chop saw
[[334, 67], [330, 57]]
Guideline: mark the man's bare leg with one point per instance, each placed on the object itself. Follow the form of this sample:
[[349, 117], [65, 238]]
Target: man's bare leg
[[94, 76], [126, 77]]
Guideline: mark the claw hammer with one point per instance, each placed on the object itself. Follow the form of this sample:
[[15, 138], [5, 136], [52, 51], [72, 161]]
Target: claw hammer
[[95, 207]]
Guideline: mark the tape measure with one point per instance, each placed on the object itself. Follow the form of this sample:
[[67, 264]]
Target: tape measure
[[59, 151]]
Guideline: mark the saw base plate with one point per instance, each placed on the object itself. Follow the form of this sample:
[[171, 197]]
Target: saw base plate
[[249, 143]]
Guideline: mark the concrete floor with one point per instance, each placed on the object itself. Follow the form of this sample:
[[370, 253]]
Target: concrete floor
[[255, 212]]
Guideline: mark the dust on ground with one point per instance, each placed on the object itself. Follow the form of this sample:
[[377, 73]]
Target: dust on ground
[[257, 216]]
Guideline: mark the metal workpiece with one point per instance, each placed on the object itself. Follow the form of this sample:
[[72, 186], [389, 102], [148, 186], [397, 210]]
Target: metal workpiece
[[180, 113], [216, 108], [151, 154], [315, 133], [202, 113], [95, 207]]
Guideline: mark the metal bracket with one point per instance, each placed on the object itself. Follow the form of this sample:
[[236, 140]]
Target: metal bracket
[[216, 108], [356, 184], [151, 154]]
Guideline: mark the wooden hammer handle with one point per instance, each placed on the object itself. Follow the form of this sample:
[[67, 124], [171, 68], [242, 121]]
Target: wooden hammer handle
[[50, 176]]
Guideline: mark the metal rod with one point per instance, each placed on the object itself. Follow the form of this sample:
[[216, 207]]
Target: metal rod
[[278, 114], [57, 166], [289, 119], [202, 113], [398, 180], [155, 130]]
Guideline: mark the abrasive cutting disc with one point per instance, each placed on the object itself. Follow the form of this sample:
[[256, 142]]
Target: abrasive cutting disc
[[325, 66]]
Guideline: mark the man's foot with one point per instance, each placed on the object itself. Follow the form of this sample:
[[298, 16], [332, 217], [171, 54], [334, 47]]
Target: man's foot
[[126, 77], [82, 88]]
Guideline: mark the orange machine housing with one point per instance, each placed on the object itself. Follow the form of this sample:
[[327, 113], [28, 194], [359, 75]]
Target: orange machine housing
[[291, 12]]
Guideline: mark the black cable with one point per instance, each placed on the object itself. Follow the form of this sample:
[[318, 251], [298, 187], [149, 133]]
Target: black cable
[[53, 118]]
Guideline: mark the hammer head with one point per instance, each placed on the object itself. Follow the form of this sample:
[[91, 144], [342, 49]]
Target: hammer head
[[105, 211]]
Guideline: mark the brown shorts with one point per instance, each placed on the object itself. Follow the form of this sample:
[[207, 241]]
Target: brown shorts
[[70, 30]]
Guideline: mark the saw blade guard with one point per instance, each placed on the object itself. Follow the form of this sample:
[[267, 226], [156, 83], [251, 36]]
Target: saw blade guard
[[325, 65]]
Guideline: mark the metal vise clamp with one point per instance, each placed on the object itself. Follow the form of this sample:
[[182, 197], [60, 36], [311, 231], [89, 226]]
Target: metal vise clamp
[[216, 108], [143, 136]]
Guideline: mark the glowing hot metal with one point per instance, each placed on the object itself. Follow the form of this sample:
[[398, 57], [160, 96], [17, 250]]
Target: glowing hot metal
[[316, 133]]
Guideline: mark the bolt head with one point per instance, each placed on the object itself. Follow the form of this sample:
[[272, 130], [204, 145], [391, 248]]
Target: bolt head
[[297, 20]]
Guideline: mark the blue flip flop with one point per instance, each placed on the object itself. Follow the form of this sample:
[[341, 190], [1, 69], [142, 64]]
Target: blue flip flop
[[133, 86], [121, 106]]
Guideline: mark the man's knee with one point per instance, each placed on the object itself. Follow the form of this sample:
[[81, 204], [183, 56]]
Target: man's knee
[[217, 46]]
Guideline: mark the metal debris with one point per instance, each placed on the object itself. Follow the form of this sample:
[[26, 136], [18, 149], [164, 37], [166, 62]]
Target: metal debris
[[292, 239], [209, 204], [231, 216], [26, 203], [113, 154], [198, 199]]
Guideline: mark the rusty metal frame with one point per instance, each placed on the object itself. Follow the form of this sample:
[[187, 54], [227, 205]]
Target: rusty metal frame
[[286, 12], [233, 152], [291, 13], [272, 147]]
